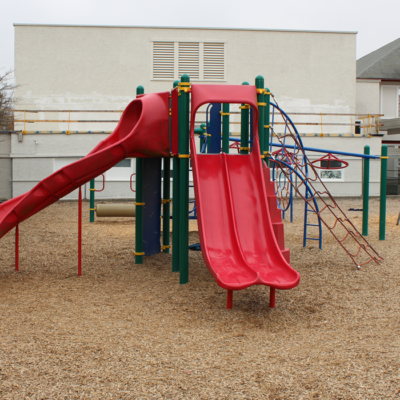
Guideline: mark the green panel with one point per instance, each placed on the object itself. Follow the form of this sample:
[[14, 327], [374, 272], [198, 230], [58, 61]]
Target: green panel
[[366, 162], [139, 199], [92, 187], [244, 126], [261, 109], [183, 146], [225, 128], [382, 208]]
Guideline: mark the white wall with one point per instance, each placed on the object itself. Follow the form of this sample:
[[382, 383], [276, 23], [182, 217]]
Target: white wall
[[38, 156], [351, 185], [61, 67], [99, 68], [368, 96]]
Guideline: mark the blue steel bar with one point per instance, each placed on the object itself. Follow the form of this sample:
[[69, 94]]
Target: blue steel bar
[[234, 139]]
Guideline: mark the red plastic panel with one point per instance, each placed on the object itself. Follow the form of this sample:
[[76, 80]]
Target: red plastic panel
[[236, 233], [143, 131]]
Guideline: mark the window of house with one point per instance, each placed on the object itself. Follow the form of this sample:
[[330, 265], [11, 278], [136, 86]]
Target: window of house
[[390, 101], [204, 61], [121, 171], [332, 164]]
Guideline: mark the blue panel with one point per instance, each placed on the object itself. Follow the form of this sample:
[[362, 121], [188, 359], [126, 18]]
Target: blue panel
[[152, 207], [215, 129]]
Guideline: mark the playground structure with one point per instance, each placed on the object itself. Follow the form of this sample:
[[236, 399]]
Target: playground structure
[[240, 225]]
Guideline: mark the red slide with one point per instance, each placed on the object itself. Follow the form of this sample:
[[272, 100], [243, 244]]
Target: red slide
[[143, 131], [235, 228]]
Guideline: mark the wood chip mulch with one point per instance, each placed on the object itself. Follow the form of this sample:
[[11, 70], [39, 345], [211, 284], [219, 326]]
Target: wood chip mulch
[[126, 331]]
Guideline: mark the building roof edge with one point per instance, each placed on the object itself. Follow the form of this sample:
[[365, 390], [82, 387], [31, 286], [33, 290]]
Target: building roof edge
[[186, 27]]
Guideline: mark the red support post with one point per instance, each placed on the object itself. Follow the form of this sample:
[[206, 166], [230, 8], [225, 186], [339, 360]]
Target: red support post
[[17, 248], [80, 232], [272, 297], [229, 300]]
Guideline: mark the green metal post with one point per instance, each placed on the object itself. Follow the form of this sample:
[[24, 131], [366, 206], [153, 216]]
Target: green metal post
[[203, 127], [267, 98], [261, 105], [382, 209], [91, 190], [225, 127], [244, 127], [166, 203], [175, 209], [366, 162], [139, 203], [183, 146]]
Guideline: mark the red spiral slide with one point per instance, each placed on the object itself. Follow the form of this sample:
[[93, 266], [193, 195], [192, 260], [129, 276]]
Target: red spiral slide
[[143, 131]]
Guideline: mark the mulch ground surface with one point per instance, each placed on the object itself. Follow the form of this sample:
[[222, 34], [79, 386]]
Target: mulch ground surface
[[126, 331]]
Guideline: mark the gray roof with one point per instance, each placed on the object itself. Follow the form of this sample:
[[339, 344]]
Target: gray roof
[[383, 63]]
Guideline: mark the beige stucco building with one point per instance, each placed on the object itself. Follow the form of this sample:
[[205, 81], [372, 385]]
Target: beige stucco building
[[69, 68]]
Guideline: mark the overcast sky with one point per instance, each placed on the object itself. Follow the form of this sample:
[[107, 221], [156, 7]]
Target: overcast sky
[[377, 22]]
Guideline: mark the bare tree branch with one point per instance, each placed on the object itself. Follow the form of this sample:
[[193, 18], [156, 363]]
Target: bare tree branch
[[7, 101]]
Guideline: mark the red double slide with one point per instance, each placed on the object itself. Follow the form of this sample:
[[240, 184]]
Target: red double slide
[[143, 131], [236, 233]]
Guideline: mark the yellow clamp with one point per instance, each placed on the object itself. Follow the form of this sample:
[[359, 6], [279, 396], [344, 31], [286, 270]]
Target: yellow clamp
[[183, 155], [384, 157], [165, 247], [224, 114], [267, 153], [92, 189], [206, 134], [182, 88], [139, 204], [267, 93], [92, 209], [139, 254], [246, 107], [266, 126], [165, 201], [262, 156], [244, 148], [262, 104], [260, 91]]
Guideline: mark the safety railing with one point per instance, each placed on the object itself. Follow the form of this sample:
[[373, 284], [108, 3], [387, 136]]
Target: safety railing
[[359, 124]]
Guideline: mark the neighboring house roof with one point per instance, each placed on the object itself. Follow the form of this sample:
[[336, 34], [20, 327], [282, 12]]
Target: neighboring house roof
[[383, 63]]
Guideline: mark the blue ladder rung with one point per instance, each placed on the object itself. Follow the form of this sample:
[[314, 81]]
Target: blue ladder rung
[[312, 224], [312, 239]]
